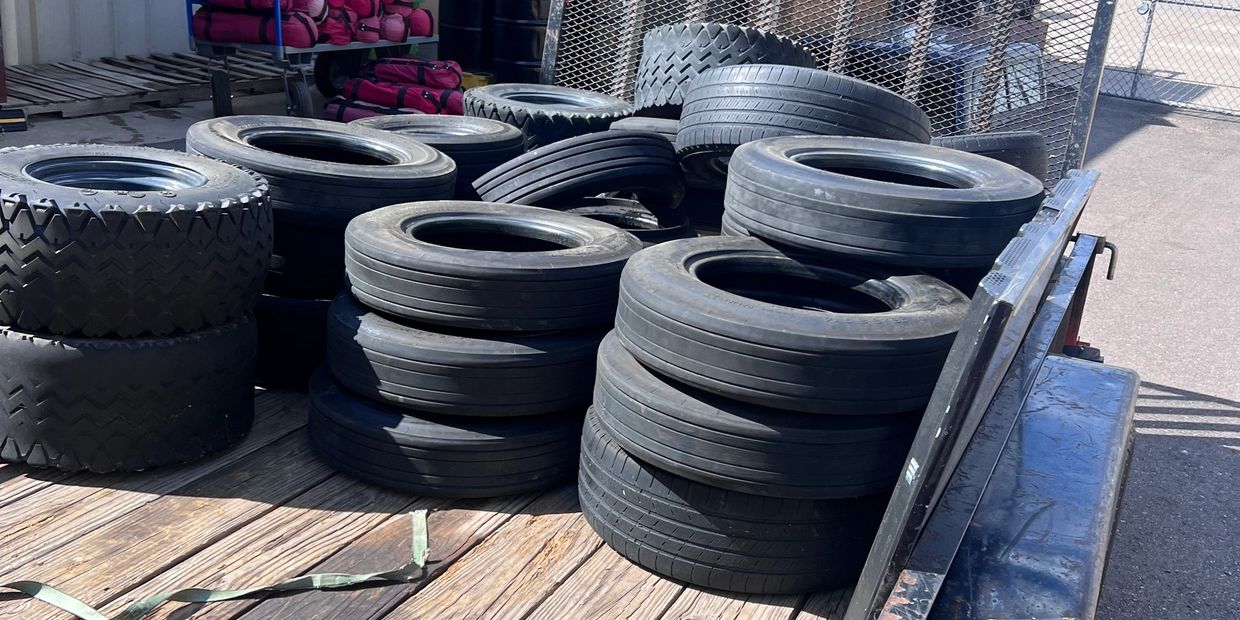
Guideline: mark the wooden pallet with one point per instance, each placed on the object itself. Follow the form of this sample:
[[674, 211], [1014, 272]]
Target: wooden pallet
[[109, 85], [267, 510]]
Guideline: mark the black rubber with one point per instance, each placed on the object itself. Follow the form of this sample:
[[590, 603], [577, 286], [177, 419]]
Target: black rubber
[[221, 93], [638, 162], [897, 203], [545, 113], [128, 241], [1024, 149], [439, 456], [322, 174], [292, 340], [124, 405], [737, 318], [666, 127], [720, 539], [479, 265], [457, 372], [630, 216], [332, 69], [740, 447], [730, 106], [675, 54], [477, 145]]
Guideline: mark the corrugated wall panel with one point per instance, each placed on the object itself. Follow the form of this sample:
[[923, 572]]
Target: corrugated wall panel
[[43, 31]]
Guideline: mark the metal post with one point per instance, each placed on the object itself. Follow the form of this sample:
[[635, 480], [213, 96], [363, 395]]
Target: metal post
[[1145, 43], [1091, 80], [995, 67], [551, 47], [918, 53]]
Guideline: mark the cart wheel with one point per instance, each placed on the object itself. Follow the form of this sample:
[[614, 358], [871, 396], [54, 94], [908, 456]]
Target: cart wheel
[[300, 103], [221, 93], [331, 69]]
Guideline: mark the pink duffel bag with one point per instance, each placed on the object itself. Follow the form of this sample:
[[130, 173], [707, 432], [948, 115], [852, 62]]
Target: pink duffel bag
[[394, 28], [212, 24], [410, 96], [432, 73], [368, 29], [365, 8], [316, 9], [399, 7], [344, 110], [338, 28], [421, 23]]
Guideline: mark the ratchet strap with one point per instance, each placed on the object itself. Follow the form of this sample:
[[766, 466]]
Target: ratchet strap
[[322, 581]]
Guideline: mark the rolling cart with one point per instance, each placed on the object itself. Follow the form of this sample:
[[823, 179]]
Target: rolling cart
[[330, 64]]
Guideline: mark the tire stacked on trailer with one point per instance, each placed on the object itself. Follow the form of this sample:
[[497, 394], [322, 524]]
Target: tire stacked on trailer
[[128, 279], [461, 359], [321, 174]]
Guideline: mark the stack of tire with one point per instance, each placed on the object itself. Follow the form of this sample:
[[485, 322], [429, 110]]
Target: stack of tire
[[322, 174], [128, 277], [520, 32], [461, 360]]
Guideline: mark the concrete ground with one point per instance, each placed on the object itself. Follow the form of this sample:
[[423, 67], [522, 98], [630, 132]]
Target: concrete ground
[[1170, 198]]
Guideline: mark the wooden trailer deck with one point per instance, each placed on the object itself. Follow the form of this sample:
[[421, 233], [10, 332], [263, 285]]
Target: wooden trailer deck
[[269, 510]]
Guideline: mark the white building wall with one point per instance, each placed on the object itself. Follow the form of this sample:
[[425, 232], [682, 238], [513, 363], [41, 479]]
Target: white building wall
[[46, 31]]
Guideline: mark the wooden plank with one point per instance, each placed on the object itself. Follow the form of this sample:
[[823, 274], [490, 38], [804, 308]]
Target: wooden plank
[[120, 79], [22, 480], [189, 73], [41, 95], [609, 586], [109, 561], [453, 532], [826, 605], [198, 63], [514, 569], [78, 81], [694, 603], [284, 543], [72, 91], [124, 66], [264, 66], [45, 521]]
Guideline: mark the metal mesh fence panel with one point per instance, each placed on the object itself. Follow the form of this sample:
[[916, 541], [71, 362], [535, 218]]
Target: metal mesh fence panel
[[1178, 52], [972, 65]]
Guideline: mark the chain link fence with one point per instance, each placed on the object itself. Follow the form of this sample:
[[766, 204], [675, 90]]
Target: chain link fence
[[1177, 52], [973, 65]]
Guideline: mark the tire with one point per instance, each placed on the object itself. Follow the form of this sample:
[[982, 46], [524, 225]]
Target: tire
[[300, 100], [108, 405], [221, 94], [675, 54], [719, 539], [477, 145], [730, 106], [666, 127], [558, 175], [331, 69], [548, 270], [734, 317], [897, 203], [439, 456], [459, 373], [631, 217], [740, 447], [544, 113], [124, 241], [292, 340], [1024, 149], [322, 174]]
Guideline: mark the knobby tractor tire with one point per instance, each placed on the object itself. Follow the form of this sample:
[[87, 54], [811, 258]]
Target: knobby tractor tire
[[124, 405], [440, 456], [126, 241], [883, 201], [617, 161], [546, 114], [1024, 149], [459, 373], [734, 317], [474, 265], [740, 447], [477, 145], [720, 539], [673, 55], [322, 174]]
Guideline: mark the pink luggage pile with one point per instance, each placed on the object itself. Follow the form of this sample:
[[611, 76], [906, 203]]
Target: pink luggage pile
[[399, 86], [305, 23]]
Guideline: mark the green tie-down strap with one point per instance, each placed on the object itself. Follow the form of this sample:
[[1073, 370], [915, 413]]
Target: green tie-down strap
[[323, 581]]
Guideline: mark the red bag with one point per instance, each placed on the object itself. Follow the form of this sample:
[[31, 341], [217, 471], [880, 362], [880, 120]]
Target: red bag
[[421, 23], [365, 8], [338, 28], [368, 30], [335, 4], [394, 28], [344, 110], [409, 96], [226, 26], [432, 73], [398, 7]]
